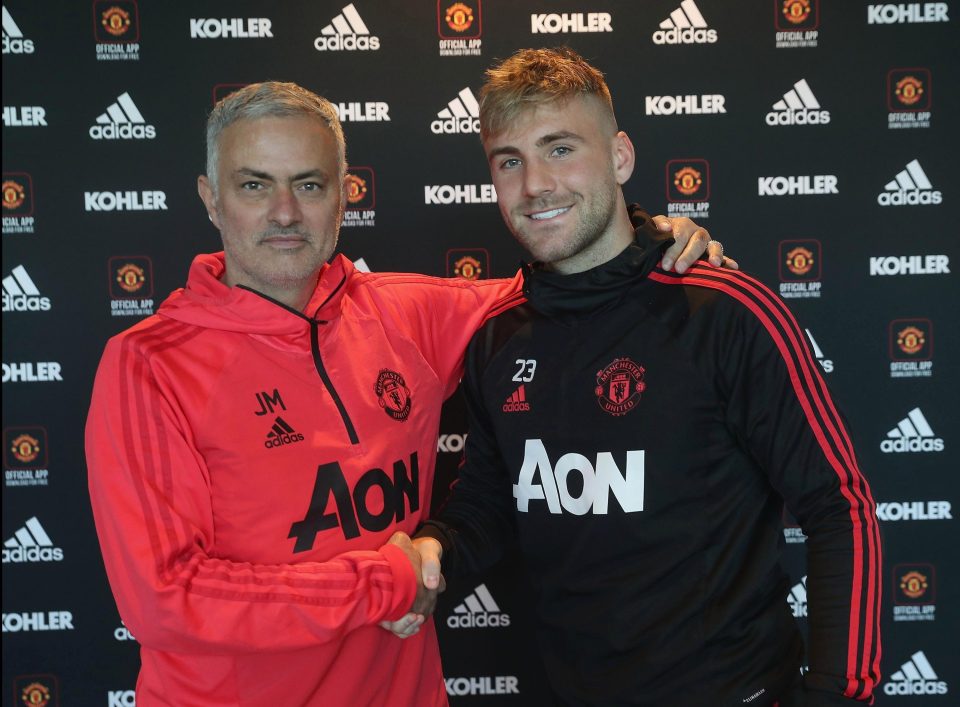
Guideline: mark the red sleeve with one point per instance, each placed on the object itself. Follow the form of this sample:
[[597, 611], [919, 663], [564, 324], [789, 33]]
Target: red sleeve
[[442, 315], [151, 504]]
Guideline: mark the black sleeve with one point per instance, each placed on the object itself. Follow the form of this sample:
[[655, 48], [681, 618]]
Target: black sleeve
[[476, 523], [780, 409]]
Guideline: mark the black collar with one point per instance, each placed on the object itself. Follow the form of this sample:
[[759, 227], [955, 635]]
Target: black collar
[[557, 295]]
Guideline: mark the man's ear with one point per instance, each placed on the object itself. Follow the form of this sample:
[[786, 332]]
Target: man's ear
[[205, 190], [624, 157], [343, 198]]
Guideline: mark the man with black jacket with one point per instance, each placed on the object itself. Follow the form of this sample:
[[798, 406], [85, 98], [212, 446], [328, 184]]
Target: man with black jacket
[[638, 432]]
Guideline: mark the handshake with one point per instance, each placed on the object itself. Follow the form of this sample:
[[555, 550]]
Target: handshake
[[424, 554]]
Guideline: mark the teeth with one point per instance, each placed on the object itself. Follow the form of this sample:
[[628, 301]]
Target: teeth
[[549, 214]]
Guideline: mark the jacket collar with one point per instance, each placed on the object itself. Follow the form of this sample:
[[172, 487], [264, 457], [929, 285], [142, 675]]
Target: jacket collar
[[581, 293], [206, 301]]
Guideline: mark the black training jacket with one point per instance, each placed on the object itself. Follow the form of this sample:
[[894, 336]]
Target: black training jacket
[[638, 432]]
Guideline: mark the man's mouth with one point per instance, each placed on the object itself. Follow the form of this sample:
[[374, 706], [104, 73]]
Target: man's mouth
[[284, 241], [552, 213]]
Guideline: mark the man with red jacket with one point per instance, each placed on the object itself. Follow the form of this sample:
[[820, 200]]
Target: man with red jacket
[[260, 449]]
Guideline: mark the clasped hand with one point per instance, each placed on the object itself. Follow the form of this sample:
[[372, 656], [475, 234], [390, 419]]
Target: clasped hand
[[424, 554]]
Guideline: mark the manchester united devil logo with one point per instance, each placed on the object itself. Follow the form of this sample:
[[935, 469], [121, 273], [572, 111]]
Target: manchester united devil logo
[[619, 386], [394, 395], [913, 584]]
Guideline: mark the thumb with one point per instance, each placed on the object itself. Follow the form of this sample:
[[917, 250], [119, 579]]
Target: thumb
[[430, 567], [662, 223]]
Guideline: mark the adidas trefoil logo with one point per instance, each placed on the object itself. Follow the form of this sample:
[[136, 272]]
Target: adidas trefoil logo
[[685, 26], [280, 434], [915, 677], [909, 187], [31, 544], [21, 295], [462, 115], [797, 598], [517, 401], [912, 434], [122, 121], [798, 107], [478, 610], [346, 32]]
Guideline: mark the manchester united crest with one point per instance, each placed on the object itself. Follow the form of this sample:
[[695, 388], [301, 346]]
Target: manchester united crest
[[356, 188], [459, 17], [911, 339], [687, 180], [13, 195], [796, 11], [116, 21], [619, 386], [800, 260], [913, 584], [25, 448], [908, 90], [36, 691], [394, 395], [35, 695]]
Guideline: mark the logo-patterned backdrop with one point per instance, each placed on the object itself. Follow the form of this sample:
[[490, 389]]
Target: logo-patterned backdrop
[[816, 138]]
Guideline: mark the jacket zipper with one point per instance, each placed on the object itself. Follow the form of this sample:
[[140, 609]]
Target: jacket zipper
[[321, 369], [317, 360]]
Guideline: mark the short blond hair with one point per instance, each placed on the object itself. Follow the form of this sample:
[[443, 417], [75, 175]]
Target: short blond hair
[[533, 77]]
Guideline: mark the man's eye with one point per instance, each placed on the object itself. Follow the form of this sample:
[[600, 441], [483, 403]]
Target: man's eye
[[510, 163], [251, 186], [311, 186], [561, 151]]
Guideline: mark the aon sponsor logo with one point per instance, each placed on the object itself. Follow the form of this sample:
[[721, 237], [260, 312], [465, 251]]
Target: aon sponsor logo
[[374, 502], [594, 482]]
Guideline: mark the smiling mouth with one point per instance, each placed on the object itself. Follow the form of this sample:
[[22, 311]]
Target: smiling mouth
[[552, 213]]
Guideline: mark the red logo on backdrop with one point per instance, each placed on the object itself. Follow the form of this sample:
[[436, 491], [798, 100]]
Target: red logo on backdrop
[[17, 194], [459, 17], [909, 90], [222, 90], [131, 276], [459, 20], [25, 448], [911, 340], [356, 189], [688, 180], [14, 194], [116, 21], [361, 189], [468, 263], [619, 386], [796, 15], [36, 691], [800, 260], [914, 583], [394, 395]]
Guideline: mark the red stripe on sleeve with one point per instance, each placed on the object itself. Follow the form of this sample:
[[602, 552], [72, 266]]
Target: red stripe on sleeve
[[763, 304]]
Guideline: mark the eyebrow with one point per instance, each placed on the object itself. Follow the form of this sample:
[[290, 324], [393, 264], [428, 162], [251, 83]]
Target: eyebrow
[[246, 171], [545, 140]]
